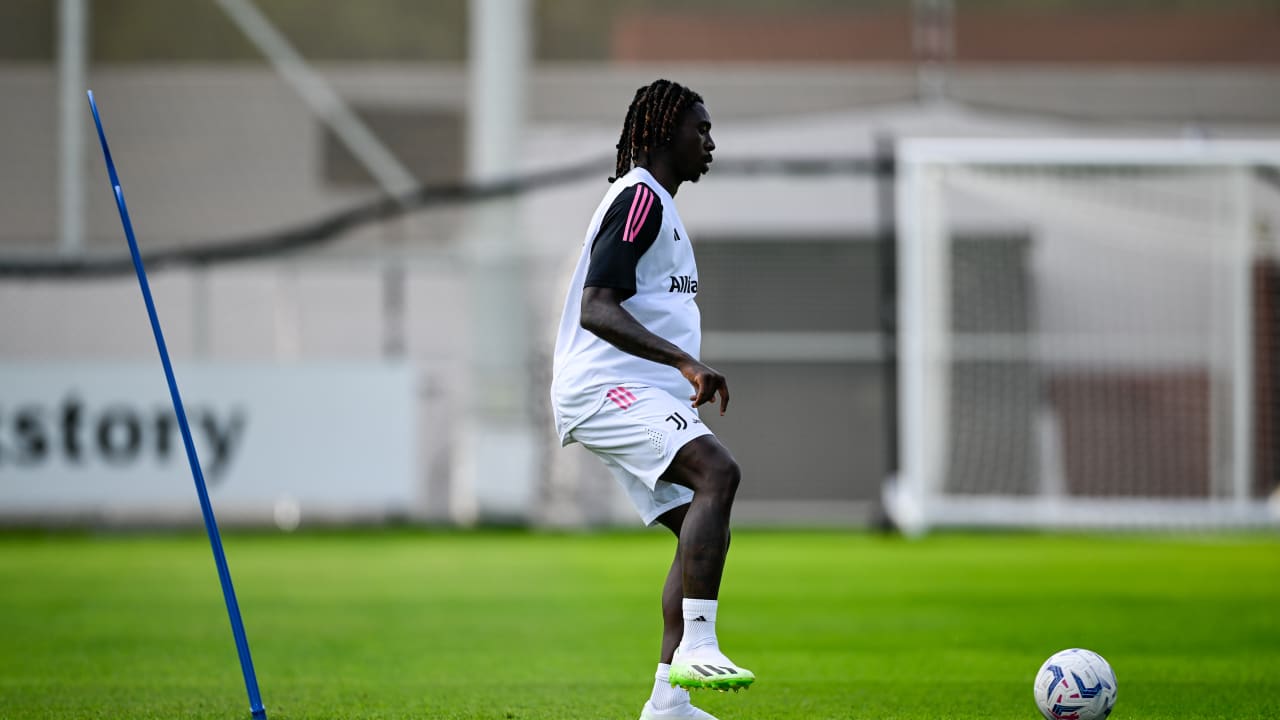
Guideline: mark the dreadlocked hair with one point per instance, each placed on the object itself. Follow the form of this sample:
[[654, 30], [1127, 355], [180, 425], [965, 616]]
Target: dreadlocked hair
[[651, 120]]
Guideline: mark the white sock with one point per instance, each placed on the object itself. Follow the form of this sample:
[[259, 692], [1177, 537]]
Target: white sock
[[664, 696], [699, 623]]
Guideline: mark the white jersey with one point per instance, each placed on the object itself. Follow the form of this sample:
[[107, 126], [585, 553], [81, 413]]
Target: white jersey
[[635, 242]]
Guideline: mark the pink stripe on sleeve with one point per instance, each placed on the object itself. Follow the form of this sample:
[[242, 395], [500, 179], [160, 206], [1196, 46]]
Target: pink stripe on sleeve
[[636, 200], [642, 214]]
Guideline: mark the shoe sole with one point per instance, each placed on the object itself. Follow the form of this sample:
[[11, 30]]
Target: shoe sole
[[676, 717], [704, 677]]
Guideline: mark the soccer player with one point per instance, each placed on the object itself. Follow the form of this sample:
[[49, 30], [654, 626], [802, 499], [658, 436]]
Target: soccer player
[[627, 380]]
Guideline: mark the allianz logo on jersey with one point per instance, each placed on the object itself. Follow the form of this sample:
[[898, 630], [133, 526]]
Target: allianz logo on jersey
[[683, 284]]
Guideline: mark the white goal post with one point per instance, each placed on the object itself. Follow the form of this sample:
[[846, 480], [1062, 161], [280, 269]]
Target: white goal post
[[1089, 334]]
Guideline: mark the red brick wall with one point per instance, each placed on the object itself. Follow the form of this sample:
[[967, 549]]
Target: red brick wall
[[666, 36], [1121, 36], [1134, 434]]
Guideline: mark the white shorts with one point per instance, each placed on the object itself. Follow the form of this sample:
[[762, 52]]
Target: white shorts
[[637, 432]]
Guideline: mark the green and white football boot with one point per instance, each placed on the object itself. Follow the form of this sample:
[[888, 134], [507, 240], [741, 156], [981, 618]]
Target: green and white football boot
[[706, 667]]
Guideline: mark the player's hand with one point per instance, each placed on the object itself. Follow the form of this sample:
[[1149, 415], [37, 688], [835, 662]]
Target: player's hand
[[707, 383]]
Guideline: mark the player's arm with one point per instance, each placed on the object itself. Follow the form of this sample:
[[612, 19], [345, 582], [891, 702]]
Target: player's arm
[[603, 314], [629, 229]]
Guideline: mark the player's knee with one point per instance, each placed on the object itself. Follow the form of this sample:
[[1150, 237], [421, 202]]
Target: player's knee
[[723, 476], [708, 469]]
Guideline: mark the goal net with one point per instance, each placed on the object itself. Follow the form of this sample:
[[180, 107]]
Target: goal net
[[1087, 334]]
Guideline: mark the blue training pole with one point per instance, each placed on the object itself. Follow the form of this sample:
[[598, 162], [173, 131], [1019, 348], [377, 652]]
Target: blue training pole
[[210, 524]]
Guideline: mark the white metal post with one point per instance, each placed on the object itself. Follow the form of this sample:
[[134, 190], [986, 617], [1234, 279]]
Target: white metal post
[[1242, 341], [496, 468], [903, 497], [923, 320], [935, 290], [72, 61]]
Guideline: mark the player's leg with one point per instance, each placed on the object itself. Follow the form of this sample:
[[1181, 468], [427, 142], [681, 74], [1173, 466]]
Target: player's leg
[[673, 588], [705, 466], [666, 700], [641, 435]]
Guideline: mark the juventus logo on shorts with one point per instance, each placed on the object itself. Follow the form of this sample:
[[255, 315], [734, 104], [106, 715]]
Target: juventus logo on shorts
[[678, 420]]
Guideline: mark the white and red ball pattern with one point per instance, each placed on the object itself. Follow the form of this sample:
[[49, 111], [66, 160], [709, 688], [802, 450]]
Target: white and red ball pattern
[[1075, 684]]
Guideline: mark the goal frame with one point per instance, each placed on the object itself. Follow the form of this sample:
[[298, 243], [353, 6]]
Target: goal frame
[[914, 496]]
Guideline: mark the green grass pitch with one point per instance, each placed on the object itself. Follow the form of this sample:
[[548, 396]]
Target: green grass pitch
[[531, 626]]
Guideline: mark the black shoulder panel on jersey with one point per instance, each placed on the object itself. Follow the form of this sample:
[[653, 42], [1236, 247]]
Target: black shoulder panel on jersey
[[629, 228]]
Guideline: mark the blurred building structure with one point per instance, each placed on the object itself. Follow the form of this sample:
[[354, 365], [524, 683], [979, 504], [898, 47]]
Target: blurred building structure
[[217, 149]]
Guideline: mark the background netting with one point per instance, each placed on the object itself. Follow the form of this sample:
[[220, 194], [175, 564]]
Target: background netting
[[1101, 331]]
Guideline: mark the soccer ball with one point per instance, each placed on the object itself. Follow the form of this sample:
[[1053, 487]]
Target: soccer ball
[[1075, 684]]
